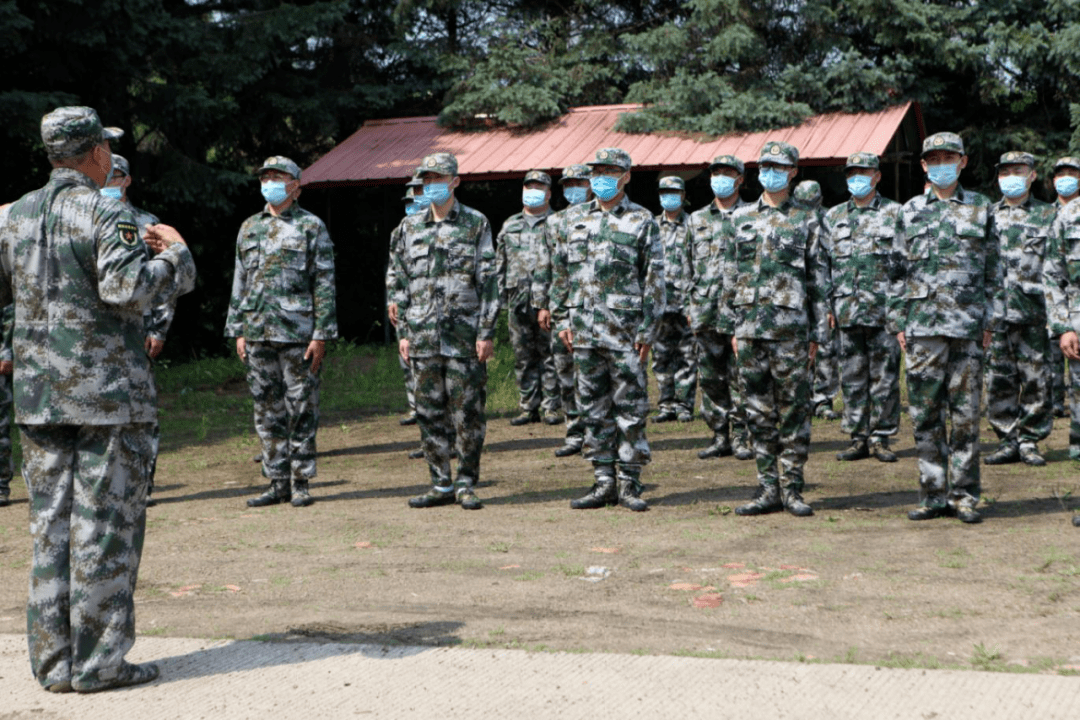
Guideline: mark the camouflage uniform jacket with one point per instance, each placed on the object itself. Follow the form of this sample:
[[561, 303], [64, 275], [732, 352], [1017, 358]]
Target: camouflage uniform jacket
[[555, 231], [159, 318], [951, 275], [446, 282], [710, 232], [608, 284], [7, 327], [1021, 233], [776, 274], [1061, 271], [283, 283], [673, 235], [520, 248], [866, 258], [72, 263]]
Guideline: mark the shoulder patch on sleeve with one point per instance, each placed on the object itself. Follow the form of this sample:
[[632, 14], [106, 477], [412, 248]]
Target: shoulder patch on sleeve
[[128, 233]]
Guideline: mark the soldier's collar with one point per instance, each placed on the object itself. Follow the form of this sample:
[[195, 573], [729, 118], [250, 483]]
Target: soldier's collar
[[429, 213], [680, 219], [71, 175], [534, 220], [957, 197], [286, 213], [1026, 205], [783, 207], [875, 204]]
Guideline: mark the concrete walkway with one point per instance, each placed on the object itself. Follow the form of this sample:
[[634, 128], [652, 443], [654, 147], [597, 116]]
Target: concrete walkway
[[245, 679]]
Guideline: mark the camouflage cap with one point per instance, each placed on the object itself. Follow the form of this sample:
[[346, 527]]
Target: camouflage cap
[[415, 181], [410, 193], [1015, 157], [120, 164], [728, 161], [947, 141], [808, 191], [612, 156], [537, 176], [1068, 161], [71, 131], [867, 160], [443, 163], [282, 163], [575, 172], [781, 153], [672, 182]]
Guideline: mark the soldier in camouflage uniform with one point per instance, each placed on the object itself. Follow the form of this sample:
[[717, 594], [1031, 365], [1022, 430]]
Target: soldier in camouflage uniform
[[607, 296], [413, 189], [520, 245], [775, 280], [7, 320], [575, 187], [866, 256], [674, 360], [951, 304], [1067, 186], [710, 232], [1018, 381], [825, 381], [282, 312], [72, 263], [445, 278]]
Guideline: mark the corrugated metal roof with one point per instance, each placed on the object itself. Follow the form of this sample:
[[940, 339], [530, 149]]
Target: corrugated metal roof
[[385, 151]]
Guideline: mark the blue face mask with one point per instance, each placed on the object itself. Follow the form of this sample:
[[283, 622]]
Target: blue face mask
[[772, 179], [533, 198], [722, 185], [859, 186], [1012, 186], [412, 209], [274, 192], [670, 201], [575, 195], [112, 192], [437, 192], [1066, 185], [604, 187], [943, 176]]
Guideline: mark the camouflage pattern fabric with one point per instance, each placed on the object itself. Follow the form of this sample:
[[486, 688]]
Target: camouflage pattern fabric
[[825, 381], [944, 379], [1017, 378], [608, 284], [451, 394], [1061, 284], [286, 398], [410, 383], [870, 381], [674, 352], [614, 400], [721, 405], [445, 279], [520, 248], [159, 319], [673, 236], [7, 469], [1055, 363], [87, 487], [283, 283], [776, 393]]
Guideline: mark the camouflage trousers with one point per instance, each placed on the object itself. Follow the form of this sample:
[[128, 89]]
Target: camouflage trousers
[[410, 383], [1018, 384], [721, 405], [534, 366], [6, 467], [614, 401], [869, 381], [675, 363], [286, 396], [451, 396], [1055, 362], [775, 381], [87, 487], [564, 370], [944, 379], [826, 381]]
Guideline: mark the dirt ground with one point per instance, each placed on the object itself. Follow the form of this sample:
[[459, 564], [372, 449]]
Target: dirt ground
[[857, 582]]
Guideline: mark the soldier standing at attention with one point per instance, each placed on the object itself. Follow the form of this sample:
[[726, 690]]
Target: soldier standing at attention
[[707, 239], [575, 188], [1067, 186], [674, 361], [774, 306], [866, 259], [607, 295], [944, 319], [414, 203], [520, 247], [72, 263], [446, 282], [1018, 381], [282, 313]]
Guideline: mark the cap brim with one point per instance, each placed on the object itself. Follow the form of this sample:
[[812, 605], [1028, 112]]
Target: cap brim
[[111, 133]]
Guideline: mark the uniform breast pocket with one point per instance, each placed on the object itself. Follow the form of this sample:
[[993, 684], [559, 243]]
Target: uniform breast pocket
[[249, 253], [624, 248], [462, 259], [419, 259], [918, 246], [746, 248], [577, 250], [1031, 259]]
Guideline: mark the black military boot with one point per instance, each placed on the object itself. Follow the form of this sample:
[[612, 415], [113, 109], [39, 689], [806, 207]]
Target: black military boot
[[794, 504], [929, 509], [277, 493], [434, 497], [665, 415], [879, 448], [602, 493], [721, 447], [1029, 453], [569, 448], [525, 418], [417, 454], [300, 495], [467, 498], [766, 500], [629, 495], [857, 451], [1007, 453]]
